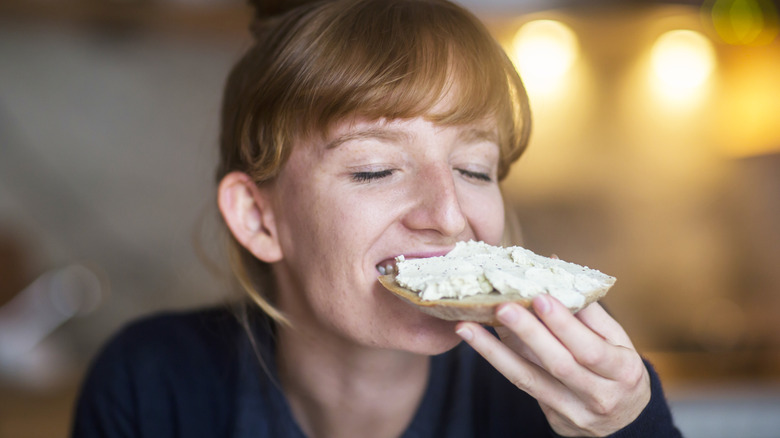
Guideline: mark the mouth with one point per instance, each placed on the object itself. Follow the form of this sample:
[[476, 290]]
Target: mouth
[[389, 267], [386, 267]]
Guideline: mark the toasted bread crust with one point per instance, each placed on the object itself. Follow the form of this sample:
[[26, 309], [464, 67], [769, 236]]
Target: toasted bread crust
[[477, 308]]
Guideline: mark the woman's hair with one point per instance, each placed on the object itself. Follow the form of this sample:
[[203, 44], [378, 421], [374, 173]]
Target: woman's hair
[[315, 64]]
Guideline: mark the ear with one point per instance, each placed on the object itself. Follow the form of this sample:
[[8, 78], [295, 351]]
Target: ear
[[248, 212]]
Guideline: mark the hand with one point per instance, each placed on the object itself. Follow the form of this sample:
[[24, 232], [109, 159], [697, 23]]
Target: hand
[[582, 369]]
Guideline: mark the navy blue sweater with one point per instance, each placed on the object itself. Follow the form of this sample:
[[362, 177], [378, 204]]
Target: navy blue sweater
[[195, 374]]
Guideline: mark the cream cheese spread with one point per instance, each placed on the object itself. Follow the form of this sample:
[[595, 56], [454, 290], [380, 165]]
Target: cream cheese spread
[[473, 268]]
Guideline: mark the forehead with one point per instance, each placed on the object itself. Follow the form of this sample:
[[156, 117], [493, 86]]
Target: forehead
[[405, 130]]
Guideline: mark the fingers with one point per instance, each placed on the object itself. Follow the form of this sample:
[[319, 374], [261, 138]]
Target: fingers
[[582, 369], [517, 369], [565, 346], [517, 345], [588, 347], [595, 317], [551, 353]]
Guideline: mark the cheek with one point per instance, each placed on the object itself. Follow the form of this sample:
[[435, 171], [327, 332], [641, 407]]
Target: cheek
[[325, 228], [303, 218], [486, 216]]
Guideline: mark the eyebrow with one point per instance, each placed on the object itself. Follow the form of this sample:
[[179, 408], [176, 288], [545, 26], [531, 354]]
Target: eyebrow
[[378, 133], [476, 135], [468, 135]]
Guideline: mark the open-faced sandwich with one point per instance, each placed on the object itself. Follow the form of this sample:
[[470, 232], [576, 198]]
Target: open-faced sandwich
[[469, 282]]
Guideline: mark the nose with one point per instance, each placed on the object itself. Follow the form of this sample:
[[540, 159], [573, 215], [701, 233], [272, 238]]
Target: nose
[[436, 206]]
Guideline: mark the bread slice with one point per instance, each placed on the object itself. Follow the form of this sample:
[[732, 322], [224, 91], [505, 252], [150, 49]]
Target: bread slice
[[481, 307]]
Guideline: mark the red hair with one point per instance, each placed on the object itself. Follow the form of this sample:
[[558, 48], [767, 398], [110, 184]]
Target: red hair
[[320, 63]]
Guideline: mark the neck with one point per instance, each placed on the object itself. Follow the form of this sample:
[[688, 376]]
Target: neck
[[338, 389]]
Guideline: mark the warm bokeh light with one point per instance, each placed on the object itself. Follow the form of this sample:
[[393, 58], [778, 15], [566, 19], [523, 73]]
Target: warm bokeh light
[[656, 160], [682, 61], [749, 121], [544, 51], [743, 22]]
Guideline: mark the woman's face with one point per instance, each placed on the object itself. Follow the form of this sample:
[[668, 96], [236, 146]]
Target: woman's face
[[371, 191]]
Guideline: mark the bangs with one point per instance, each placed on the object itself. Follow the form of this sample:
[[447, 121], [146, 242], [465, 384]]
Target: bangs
[[429, 59], [404, 71]]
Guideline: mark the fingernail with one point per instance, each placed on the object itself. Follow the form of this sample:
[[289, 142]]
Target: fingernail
[[465, 333], [507, 314], [542, 304]]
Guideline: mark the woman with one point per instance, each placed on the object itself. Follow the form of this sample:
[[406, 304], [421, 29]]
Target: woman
[[352, 132]]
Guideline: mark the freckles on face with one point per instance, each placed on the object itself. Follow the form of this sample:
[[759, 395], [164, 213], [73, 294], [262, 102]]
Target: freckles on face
[[321, 230], [372, 192]]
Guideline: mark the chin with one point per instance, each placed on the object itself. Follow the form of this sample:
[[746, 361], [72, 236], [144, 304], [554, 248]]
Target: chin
[[412, 330], [429, 336]]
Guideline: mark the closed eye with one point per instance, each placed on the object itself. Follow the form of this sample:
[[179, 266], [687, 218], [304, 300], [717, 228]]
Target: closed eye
[[480, 176], [371, 176]]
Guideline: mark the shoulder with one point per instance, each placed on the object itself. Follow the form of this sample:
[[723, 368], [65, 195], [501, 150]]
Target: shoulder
[[158, 371], [173, 347], [178, 334]]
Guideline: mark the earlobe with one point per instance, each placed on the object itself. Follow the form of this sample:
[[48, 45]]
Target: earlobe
[[248, 214]]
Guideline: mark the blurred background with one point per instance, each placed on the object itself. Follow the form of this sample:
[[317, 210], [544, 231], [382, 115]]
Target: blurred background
[[655, 158]]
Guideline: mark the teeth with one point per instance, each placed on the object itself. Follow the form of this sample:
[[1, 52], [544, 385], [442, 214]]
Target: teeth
[[386, 270]]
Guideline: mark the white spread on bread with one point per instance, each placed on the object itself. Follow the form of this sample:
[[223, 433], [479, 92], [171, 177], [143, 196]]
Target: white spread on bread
[[473, 268]]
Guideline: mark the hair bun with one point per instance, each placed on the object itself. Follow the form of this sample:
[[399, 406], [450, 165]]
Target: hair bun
[[266, 10]]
